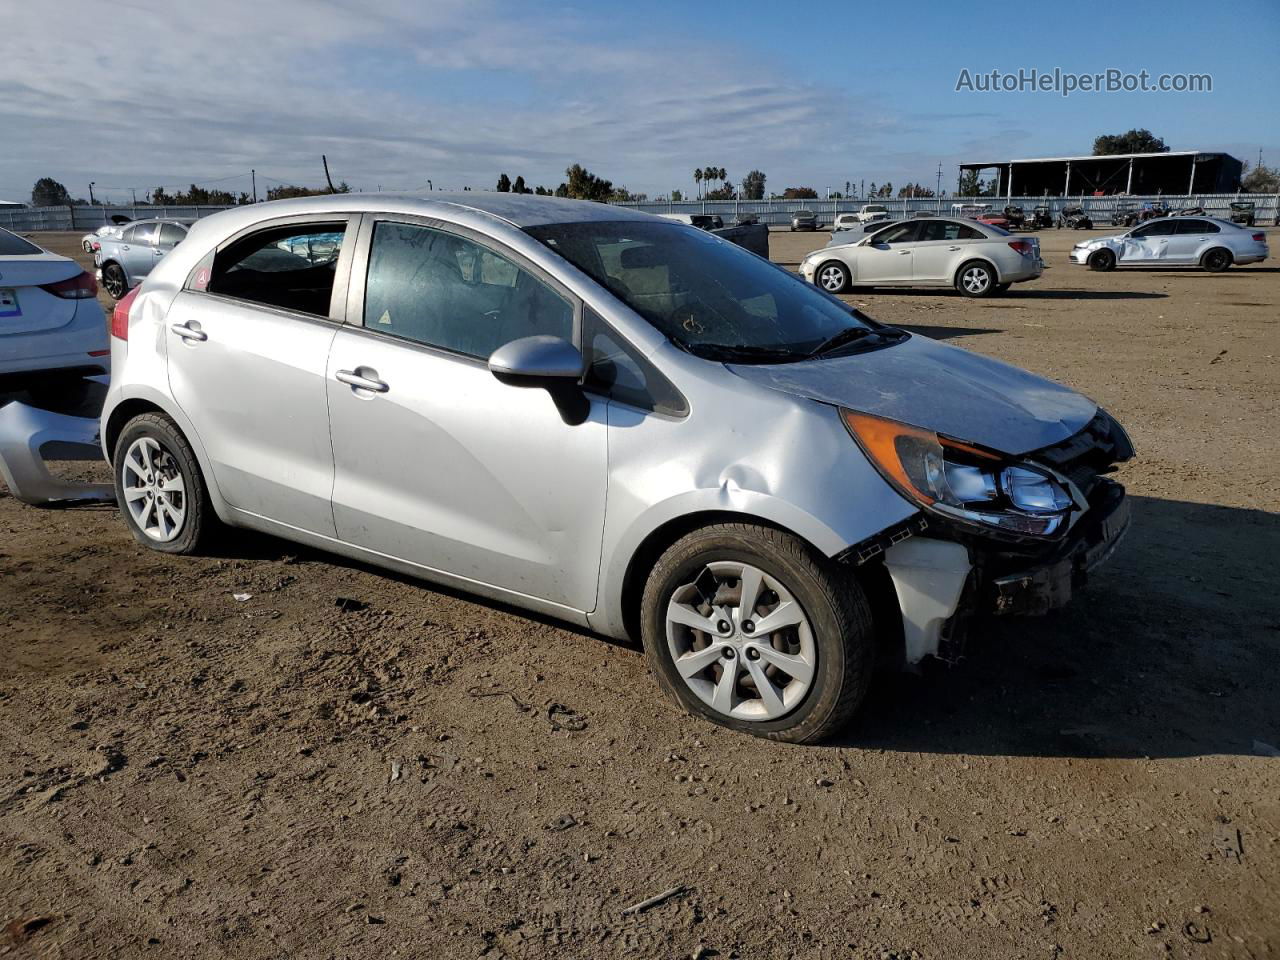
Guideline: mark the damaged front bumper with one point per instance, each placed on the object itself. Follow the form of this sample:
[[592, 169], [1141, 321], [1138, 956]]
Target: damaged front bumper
[[941, 583]]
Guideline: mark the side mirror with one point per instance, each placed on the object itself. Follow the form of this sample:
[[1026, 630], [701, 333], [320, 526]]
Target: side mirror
[[551, 363]]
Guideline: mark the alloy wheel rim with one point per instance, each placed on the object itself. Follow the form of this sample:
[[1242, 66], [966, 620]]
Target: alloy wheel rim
[[741, 642], [975, 279], [113, 280], [154, 490], [831, 278]]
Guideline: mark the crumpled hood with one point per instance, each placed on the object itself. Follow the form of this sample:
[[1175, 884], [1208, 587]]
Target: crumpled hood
[[941, 388]]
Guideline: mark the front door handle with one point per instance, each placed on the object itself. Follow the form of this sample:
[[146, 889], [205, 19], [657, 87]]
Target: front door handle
[[904, 252], [953, 249], [355, 379], [189, 333]]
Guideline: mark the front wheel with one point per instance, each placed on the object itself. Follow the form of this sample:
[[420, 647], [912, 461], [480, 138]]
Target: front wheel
[[159, 487], [749, 627], [975, 280], [1102, 260], [832, 277]]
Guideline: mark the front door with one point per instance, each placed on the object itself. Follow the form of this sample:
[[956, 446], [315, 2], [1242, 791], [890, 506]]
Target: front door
[[886, 257], [436, 462], [248, 340], [1147, 243]]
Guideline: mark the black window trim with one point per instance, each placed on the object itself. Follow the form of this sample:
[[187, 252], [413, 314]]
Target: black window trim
[[593, 321], [341, 276], [359, 271]]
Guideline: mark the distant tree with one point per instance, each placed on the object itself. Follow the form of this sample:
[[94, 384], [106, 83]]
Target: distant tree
[[914, 190], [542, 191], [48, 192], [1261, 179], [799, 193], [285, 191], [677, 195], [519, 187], [970, 184], [582, 184], [753, 185], [697, 179], [1134, 141], [504, 184]]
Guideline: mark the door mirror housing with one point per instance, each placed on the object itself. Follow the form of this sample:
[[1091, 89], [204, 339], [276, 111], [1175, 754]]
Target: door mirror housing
[[551, 363]]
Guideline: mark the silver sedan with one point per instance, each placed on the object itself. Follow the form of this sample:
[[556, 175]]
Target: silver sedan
[[610, 418], [974, 258], [1175, 242]]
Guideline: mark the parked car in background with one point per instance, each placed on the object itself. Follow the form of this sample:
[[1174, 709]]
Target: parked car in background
[[1191, 212], [1152, 210], [993, 219], [804, 220], [862, 230], [52, 330], [88, 241], [703, 221], [794, 490], [1075, 218], [846, 221], [124, 261], [1243, 211], [1014, 217], [1125, 213], [871, 212], [1175, 241], [749, 233], [976, 259]]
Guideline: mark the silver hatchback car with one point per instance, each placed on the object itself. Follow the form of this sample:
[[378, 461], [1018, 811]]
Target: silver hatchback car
[[617, 420]]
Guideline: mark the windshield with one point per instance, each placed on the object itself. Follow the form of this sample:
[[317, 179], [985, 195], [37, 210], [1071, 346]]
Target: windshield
[[706, 295]]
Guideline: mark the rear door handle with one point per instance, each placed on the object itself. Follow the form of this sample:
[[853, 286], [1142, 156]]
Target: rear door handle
[[361, 382], [953, 248], [189, 333], [904, 252]]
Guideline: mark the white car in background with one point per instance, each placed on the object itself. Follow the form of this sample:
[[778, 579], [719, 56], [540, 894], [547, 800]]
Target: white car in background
[[1175, 241], [53, 333], [88, 241], [976, 259], [872, 212]]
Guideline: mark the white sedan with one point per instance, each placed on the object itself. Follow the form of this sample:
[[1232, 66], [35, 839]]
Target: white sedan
[[1175, 241], [974, 258], [52, 330]]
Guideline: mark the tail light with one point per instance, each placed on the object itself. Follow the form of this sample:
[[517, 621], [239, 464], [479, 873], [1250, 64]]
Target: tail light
[[1024, 247], [1259, 238], [95, 244], [80, 287], [120, 315]]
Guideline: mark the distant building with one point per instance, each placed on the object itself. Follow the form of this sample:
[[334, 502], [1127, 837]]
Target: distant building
[[1178, 173], [10, 205]]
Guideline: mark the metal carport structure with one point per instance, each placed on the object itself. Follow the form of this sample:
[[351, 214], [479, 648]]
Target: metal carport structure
[[1181, 172]]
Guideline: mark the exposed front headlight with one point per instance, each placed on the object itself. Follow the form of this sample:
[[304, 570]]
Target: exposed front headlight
[[960, 481]]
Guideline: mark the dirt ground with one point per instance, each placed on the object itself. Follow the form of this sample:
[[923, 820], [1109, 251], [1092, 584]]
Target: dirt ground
[[420, 774]]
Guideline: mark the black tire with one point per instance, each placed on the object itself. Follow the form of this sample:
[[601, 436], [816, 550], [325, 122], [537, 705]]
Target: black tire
[[1216, 260], [1102, 260], [199, 522], [966, 288], [1000, 289], [834, 266], [114, 280], [832, 599]]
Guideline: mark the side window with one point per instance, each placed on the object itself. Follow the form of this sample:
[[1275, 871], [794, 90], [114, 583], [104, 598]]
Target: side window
[[171, 234], [1196, 226], [902, 233], [617, 370], [140, 233], [947, 230], [446, 291], [969, 233], [288, 267]]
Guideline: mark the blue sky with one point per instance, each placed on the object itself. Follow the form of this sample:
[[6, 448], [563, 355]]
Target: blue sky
[[397, 93]]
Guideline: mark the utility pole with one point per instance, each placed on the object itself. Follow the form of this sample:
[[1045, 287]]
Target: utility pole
[[253, 177], [429, 186], [938, 192], [325, 161], [91, 183], [134, 191]]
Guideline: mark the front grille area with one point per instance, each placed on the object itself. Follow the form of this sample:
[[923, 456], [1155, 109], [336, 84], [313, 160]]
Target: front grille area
[[1085, 456]]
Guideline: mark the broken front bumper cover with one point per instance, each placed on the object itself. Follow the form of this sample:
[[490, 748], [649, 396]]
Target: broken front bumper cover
[[1050, 582], [29, 436]]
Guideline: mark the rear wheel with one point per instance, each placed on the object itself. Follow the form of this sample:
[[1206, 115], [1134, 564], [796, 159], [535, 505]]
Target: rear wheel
[[114, 281], [1216, 260], [976, 279], [159, 487], [1102, 260], [750, 628], [832, 277]]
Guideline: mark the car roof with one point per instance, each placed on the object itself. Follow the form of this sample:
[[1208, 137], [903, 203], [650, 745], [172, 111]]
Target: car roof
[[180, 221]]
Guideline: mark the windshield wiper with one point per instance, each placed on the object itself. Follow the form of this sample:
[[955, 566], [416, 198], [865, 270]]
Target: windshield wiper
[[726, 353], [843, 338]]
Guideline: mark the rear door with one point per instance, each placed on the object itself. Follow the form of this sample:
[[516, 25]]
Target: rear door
[[1191, 237], [436, 462], [137, 250], [168, 236], [248, 340], [940, 247], [886, 257]]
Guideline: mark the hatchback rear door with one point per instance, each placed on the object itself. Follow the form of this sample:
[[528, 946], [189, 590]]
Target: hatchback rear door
[[436, 462], [248, 340]]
